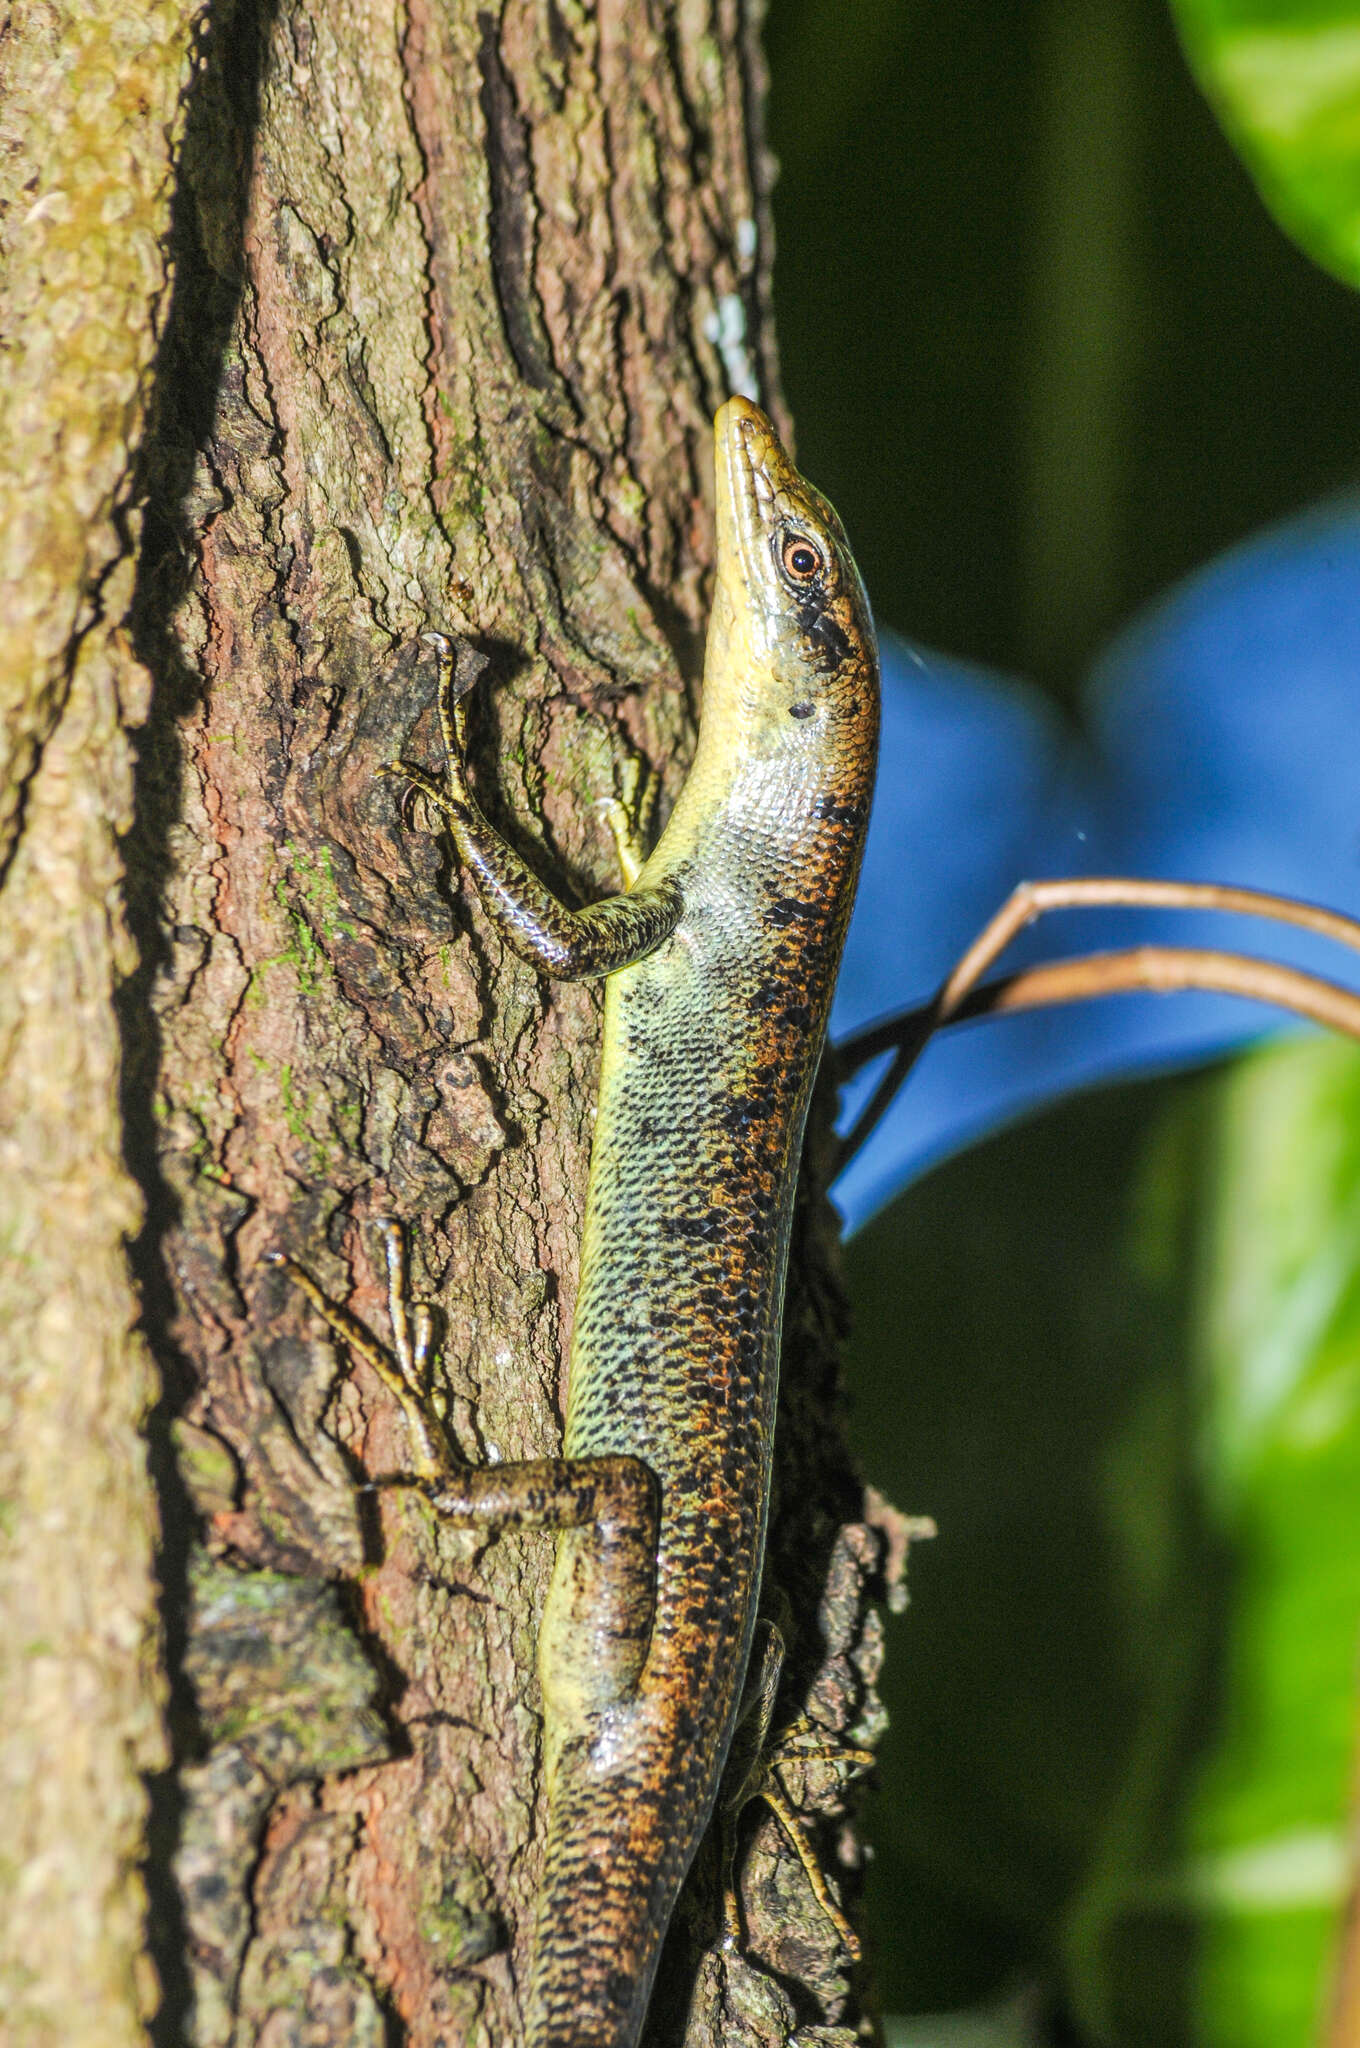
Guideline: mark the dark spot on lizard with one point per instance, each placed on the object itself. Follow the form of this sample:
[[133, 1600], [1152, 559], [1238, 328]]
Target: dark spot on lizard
[[790, 910], [832, 811], [830, 643]]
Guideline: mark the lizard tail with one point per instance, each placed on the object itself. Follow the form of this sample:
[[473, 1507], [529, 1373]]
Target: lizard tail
[[611, 1876]]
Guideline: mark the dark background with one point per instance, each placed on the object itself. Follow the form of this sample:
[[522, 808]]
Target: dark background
[[1046, 353], [1045, 349]]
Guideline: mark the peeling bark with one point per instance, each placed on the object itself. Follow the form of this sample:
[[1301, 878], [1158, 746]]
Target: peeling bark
[[456, 294]]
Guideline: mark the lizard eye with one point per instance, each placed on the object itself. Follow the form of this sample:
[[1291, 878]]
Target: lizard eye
[[802, 561]]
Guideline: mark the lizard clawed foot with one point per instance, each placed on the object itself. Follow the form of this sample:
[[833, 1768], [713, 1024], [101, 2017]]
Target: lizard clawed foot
[[458, 667], [418, 783], [406, 1369], [756, 1774], [771, 1789], [628, 815]]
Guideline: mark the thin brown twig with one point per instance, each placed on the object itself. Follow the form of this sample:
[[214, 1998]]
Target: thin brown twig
[[1159, 969], [1083, 892]]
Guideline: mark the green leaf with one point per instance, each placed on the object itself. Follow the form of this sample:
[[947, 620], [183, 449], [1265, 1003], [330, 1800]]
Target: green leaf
[[1268, 1864], [1244, 1891], [1284, 78]]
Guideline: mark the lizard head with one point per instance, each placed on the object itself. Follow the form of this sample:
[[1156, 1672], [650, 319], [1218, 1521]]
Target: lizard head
[[790, 615]]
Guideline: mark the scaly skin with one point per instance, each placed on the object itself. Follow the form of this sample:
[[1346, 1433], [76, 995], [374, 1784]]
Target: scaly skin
[[711, 1043], [721, 961]]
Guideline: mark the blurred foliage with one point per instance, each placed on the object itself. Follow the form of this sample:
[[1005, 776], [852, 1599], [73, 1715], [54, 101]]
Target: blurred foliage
[[1284, 76], [1048, 353], [1116, 1354], [1045, 349], [1279, 1341], [1004, 1348], [1007, 2025]]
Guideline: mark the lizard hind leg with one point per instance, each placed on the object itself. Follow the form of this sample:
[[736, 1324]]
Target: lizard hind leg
[[754, 1772], [596, 1632]]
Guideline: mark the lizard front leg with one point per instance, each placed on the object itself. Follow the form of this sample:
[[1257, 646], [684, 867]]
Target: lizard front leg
[[572, 945]]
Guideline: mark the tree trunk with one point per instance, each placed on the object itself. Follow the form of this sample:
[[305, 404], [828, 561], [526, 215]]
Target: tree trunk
[[89, 120], [456, 294]]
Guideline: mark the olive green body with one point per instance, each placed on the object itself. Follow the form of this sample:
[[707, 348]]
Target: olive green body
[[711, 1044]]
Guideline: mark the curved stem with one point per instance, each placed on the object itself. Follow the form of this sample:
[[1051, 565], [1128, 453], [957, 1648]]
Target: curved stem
[[1033, 900], [1160, 969]]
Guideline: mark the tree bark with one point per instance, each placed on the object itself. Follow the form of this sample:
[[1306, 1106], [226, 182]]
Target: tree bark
[[457, 291], [89, 116]]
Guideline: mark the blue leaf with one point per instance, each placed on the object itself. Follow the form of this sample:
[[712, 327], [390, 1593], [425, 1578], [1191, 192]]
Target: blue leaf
[[1222, 745]]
